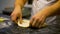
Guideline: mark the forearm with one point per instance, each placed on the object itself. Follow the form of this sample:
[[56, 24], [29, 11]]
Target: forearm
[[51, 9], [19, 3]]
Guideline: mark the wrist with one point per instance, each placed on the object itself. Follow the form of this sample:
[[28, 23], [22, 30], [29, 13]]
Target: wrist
[[18, 7], [48, 13], [44, 13]]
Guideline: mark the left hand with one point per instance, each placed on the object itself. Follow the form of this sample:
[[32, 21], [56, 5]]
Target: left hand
[[38, 20]]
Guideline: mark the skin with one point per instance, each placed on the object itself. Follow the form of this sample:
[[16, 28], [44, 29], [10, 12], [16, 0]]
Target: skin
[[17, 12], [38, 19]]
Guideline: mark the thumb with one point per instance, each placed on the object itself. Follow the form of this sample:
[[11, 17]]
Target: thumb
[[20, 19]]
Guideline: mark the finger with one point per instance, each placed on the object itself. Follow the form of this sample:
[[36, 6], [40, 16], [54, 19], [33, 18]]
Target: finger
[[31, 21], [20, 18], [34, 23], [38, 23], [42, 22], [13, 18]]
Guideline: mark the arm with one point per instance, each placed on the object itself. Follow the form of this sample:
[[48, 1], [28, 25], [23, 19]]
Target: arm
[[17, 12], [51, 9], [38, 19], [19, 3]]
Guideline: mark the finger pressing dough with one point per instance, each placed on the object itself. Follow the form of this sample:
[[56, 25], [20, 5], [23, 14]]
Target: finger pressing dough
[[25, 23]]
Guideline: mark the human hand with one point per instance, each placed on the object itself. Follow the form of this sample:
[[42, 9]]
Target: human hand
[[38, 20], [16, 14]]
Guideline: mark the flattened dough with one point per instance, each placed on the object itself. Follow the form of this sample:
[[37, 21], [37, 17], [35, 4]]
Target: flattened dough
[[25, 23]]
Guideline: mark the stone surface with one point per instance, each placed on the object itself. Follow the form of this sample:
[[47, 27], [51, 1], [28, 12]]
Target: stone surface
[[14, 29]]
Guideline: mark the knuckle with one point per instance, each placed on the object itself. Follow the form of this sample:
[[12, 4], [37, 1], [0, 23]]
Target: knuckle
[[33, 17], [11, 14], [13, 19], [33, 25], [37, 18]]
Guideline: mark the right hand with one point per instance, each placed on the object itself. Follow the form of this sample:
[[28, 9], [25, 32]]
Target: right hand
[[16, 14]]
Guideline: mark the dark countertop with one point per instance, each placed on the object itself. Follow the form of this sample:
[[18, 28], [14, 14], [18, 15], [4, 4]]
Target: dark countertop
[[12, 28]]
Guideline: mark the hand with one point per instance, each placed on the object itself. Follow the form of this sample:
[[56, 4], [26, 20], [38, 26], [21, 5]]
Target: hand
[[38, 20], [16, 14]]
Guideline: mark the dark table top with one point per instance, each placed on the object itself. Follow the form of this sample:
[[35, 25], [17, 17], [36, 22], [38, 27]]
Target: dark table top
[[12, 28]]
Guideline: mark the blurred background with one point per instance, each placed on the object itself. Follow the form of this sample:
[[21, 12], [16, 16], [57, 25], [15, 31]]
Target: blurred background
[[6, 3], [10, 3]]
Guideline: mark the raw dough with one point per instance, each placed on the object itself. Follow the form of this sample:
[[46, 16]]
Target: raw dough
[[25, 23]]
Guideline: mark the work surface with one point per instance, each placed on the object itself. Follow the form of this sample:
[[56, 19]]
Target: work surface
[[8, 27]]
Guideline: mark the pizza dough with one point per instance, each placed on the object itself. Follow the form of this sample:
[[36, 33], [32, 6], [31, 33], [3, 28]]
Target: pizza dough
[[25, 23]]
